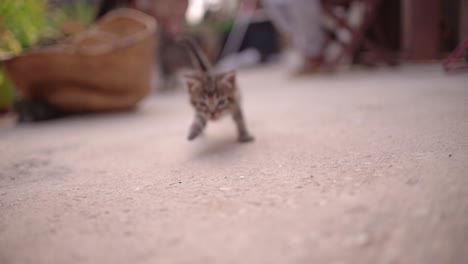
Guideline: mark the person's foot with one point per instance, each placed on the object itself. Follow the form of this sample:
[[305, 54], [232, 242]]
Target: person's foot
[[311, 65]]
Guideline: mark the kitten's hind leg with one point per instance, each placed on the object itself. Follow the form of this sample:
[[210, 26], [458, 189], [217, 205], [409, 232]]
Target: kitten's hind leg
[[197, 127], [243, 134]]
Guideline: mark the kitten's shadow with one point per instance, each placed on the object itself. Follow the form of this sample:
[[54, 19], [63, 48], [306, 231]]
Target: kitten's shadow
[[207, 147]]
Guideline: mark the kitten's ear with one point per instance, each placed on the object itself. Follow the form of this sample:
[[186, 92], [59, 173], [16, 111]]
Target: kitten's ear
[[192, 80], [229, 78]]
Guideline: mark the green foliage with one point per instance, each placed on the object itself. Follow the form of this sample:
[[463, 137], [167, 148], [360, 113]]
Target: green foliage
[[21, 24], [79, 11], [25, 19], [26, 23], [30, 20], [6, 89]]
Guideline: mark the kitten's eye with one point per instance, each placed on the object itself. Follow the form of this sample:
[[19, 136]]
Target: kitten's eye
[[201, 104], [221, 102]]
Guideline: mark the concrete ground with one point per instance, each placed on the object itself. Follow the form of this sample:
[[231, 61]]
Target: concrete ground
[[360, 167]]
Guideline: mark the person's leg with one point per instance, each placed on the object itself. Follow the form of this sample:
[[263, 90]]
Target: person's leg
[[280, 14], [301, 20], [307, 33]]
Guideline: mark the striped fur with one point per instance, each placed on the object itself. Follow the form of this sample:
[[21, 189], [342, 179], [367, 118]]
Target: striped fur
[[212, 95]]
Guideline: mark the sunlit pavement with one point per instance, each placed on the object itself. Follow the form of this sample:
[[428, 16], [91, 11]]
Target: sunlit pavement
[[357, 167]]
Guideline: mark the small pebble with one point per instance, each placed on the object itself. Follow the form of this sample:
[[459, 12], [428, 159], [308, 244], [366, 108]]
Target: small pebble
[[225, 189], [421, 212], [296, 240], [243, 211], [359, 240], [450, 155], [241, 177], [339, 262], [362, 239], [412, 181]]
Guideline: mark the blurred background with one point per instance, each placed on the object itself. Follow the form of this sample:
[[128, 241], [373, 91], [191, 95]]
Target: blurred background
[[360, 126], [325, 35]]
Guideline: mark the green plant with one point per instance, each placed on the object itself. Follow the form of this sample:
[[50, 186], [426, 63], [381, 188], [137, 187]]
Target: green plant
[[80, 11], [26, 23], [21, 24], [6, 90], [25, 19]]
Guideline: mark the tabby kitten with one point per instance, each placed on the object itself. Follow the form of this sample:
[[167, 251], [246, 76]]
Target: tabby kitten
[[212, 95]]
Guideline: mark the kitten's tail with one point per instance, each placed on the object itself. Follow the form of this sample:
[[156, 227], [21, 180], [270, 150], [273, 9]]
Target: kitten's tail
[[197, 56]]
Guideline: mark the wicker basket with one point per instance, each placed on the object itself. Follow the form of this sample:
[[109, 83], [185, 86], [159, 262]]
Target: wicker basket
[[107, 67]]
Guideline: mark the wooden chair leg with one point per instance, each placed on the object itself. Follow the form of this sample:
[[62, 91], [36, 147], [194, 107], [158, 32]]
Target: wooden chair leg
[[358, 34], [384, 51]]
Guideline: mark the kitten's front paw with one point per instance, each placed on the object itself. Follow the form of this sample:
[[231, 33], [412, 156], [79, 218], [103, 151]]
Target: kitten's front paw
[[245, 138], [193, 135]]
